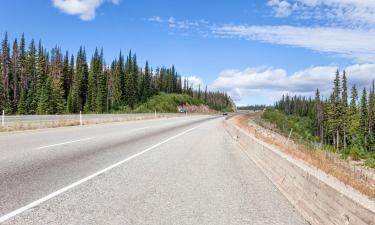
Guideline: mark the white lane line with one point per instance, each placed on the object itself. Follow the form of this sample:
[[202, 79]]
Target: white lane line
[[64, 143], [142, 128], [64, 189]]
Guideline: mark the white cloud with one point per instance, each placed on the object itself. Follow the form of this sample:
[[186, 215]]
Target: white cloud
[[282, 8], [271, 83], [346, 12], [85, 9], [194, 82], [358, 44]]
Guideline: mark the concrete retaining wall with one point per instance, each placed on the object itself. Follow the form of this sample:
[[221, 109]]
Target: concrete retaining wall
[[320, 198]]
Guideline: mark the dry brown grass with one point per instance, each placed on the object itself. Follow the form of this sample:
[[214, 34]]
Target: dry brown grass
[[328, 162]]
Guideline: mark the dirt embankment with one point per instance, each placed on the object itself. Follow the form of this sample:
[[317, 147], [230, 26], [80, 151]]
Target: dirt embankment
[[358, 177], [196, 108]]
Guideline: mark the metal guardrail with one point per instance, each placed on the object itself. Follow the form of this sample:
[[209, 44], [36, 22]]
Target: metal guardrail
[[82, 118]]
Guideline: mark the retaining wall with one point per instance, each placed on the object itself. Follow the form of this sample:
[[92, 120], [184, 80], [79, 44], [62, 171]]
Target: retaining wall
[[319, 197]]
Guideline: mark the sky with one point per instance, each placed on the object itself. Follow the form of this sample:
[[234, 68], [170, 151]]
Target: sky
[[255, 50]]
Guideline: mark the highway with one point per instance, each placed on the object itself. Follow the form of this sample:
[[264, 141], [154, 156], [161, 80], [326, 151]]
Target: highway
[[185, 170]]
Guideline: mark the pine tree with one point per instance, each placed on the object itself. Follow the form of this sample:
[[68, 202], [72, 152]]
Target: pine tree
[[42, 82], [364, 117], [31, 99], [92, 82], [354, 118], [371, 109], [66, 76], [344, 109], [21, 105], [130, 81], [15, 76], [45, 98], [6, 76], [101, 88], [337, 110], [319, 116], [118, 87], [145, 86]]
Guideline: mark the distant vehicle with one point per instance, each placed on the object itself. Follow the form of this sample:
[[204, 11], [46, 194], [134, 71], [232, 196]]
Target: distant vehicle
[[225, 114], [182, 110]]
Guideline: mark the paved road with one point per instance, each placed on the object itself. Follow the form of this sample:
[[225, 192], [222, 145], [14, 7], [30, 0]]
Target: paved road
[[171, 171]]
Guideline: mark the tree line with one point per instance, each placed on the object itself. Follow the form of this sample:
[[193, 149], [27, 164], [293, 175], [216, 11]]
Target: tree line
[[37, 81], [341, 121]]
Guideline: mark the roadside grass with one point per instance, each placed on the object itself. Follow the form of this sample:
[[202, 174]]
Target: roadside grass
[[302, 134], [322, 157]]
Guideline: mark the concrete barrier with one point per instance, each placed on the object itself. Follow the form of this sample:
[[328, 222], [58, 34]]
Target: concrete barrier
[[320, 198]]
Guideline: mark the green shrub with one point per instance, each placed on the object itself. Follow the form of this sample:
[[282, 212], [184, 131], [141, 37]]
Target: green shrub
[[355, 153], [162, 102], [370, 162]]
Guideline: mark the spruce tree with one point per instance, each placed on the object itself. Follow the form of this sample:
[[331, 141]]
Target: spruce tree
[[118, 87], [101, 86], [364, 117], [354, 117], [344, 109], [92, 82], [21, 105], [65, 76], [6, 75], [31, 99], [45, 98], [15, 76]]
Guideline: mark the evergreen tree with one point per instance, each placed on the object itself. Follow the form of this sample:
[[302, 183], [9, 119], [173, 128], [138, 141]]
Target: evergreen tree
[[92, 82], [41, 83], [31, 101], [364, 117], [101, 88], [21, 105], [6, 76], [15, 76], [45, 98], [118, 85], [354, 118], [319, 116], [66, 76], [344, 109]]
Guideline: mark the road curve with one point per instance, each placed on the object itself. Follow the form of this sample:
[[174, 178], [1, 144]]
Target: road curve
[[170, 171]]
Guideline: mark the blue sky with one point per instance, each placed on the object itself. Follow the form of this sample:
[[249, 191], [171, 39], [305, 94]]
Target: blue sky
[[255, 50]]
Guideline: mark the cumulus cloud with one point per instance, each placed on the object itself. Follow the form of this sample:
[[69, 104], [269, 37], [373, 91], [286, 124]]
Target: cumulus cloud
[[272, 83], [194, 81], [85, 9]]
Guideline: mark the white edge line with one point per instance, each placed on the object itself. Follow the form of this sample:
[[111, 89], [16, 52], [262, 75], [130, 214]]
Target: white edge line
[[64, 189], [64, 143]]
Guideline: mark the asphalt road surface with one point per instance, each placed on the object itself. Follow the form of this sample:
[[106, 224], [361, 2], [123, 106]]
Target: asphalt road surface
[[168, 171]]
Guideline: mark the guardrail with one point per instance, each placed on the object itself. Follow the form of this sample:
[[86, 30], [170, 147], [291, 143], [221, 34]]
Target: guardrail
[[82, 119]]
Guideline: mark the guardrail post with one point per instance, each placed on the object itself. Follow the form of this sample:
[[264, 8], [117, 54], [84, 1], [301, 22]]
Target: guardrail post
[[290, 134], [3, 118], [80, 118]]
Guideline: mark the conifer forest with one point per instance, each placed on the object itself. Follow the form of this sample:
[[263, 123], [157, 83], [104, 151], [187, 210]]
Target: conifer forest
[[343, 120], [35, 80]]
